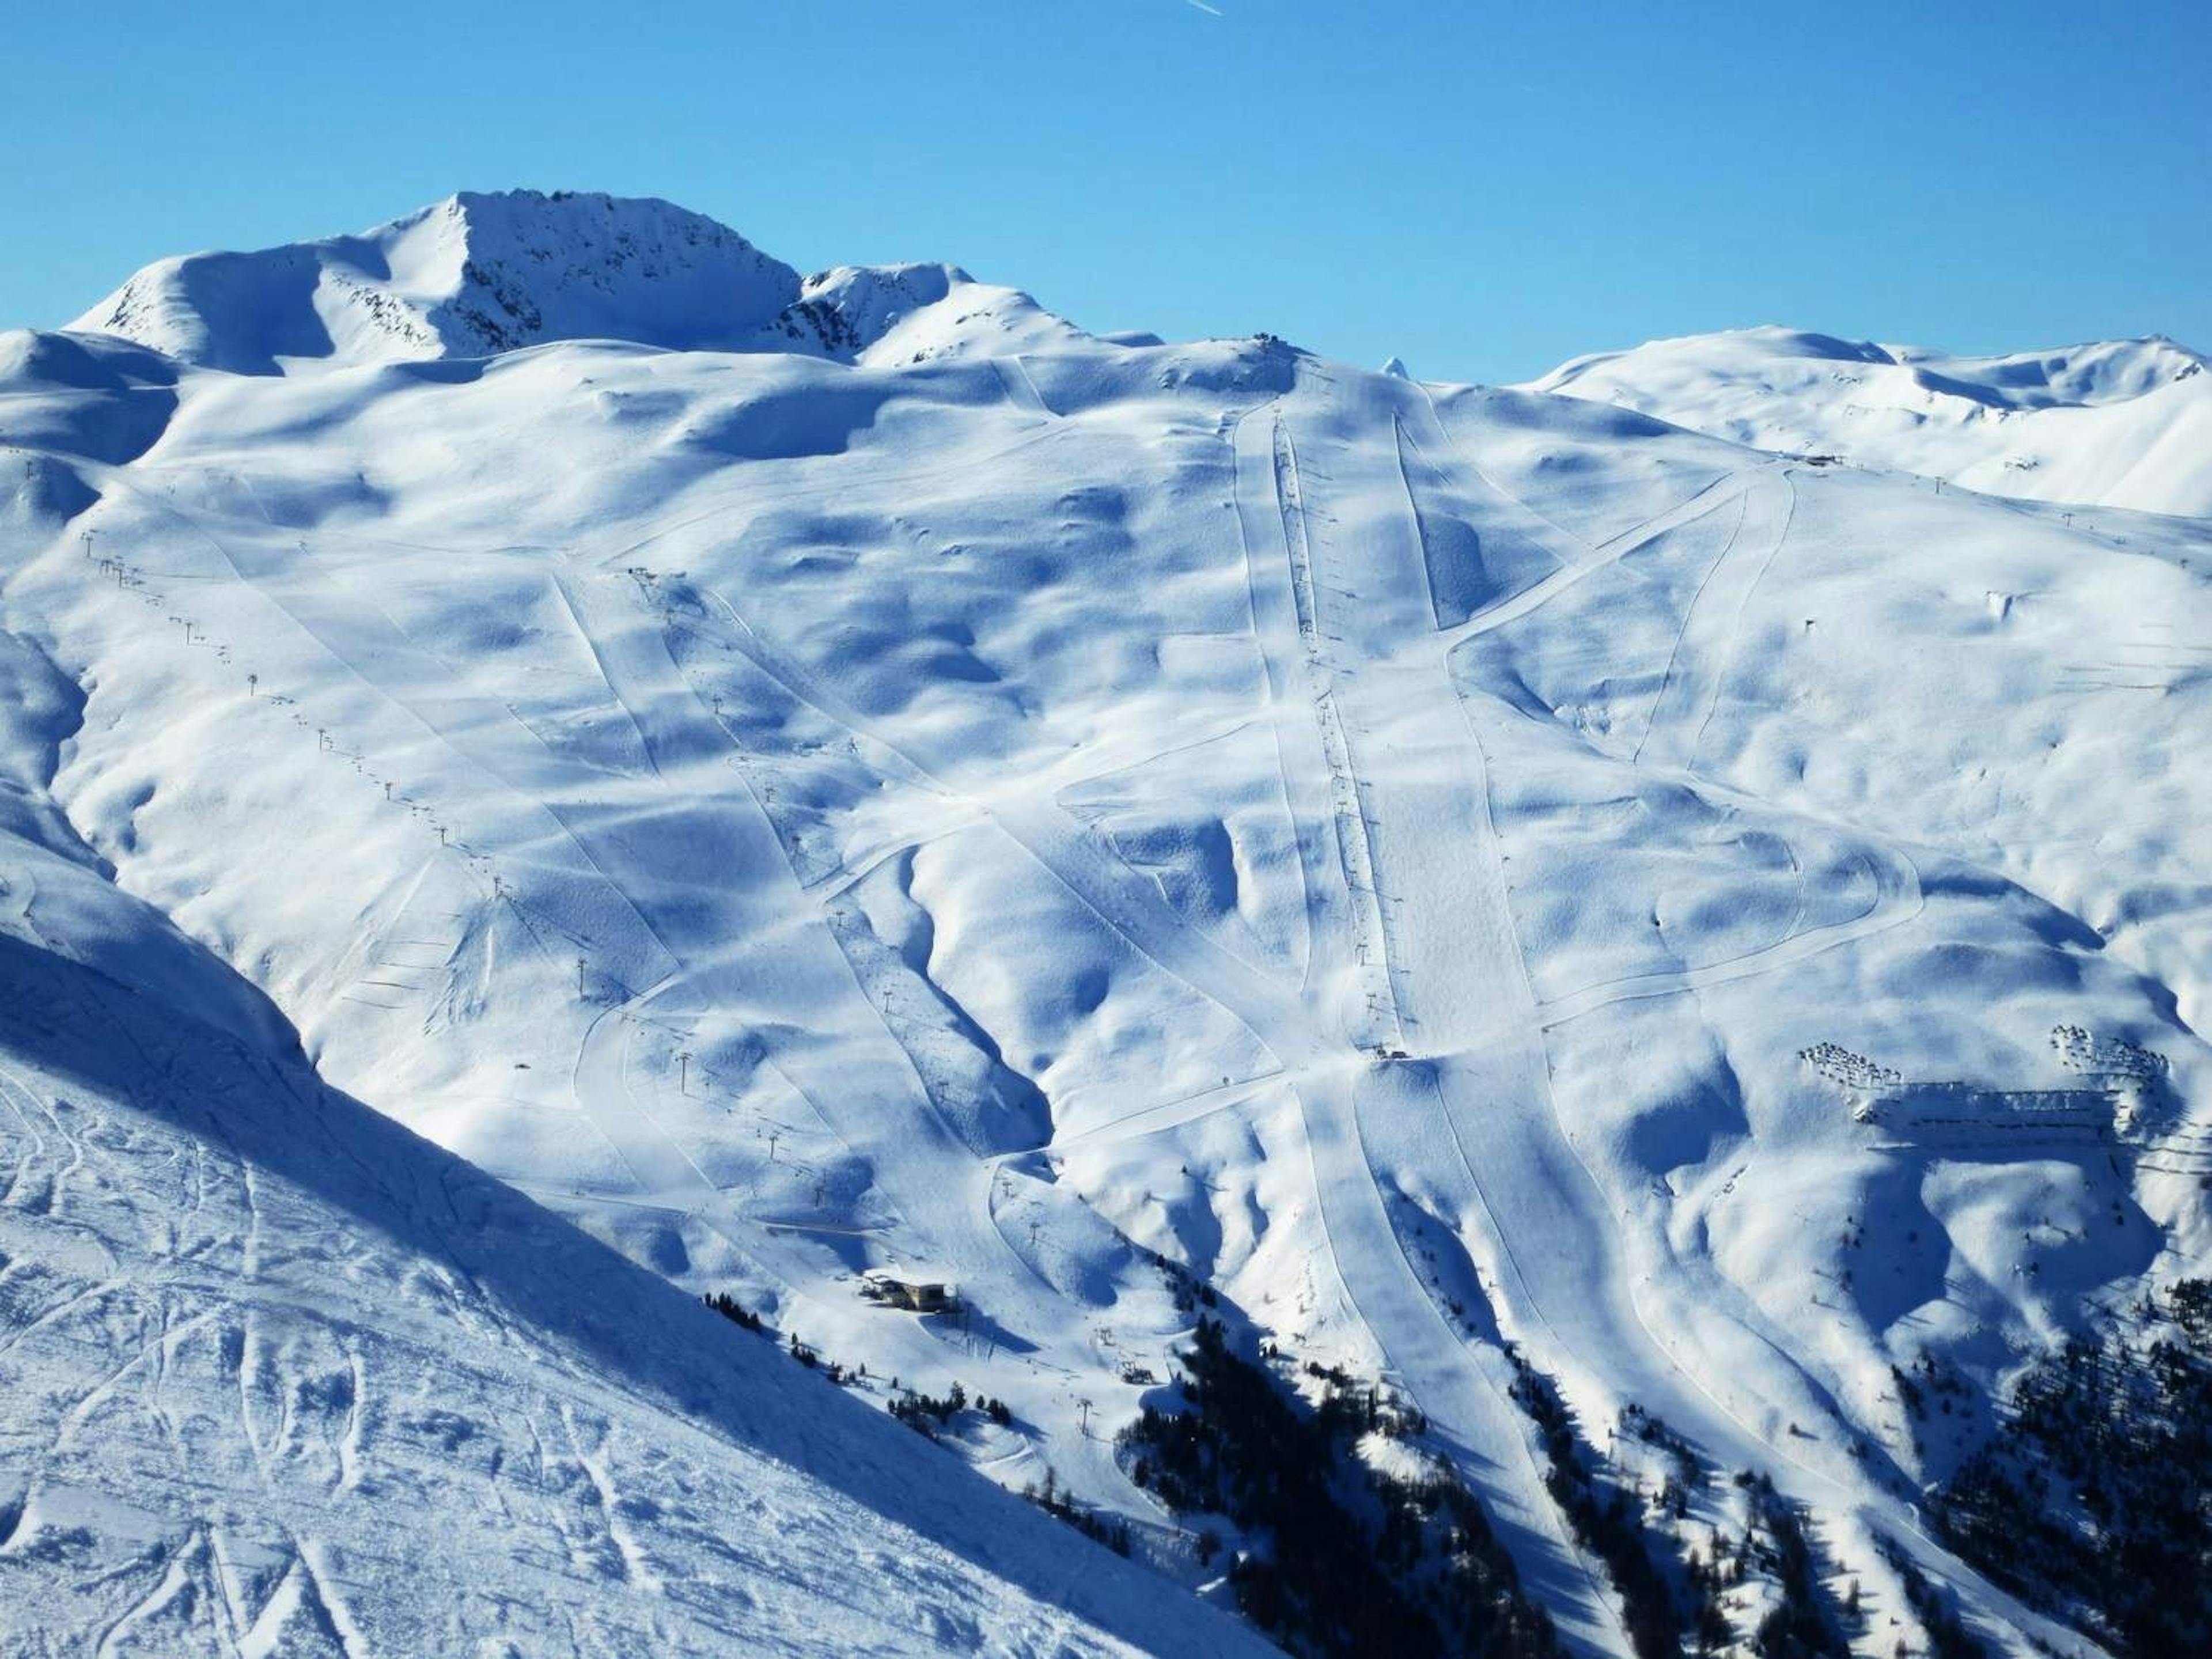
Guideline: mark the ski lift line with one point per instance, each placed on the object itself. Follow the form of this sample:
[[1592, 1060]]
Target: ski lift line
[[1347, 801], [387, 696], [1519, 957]]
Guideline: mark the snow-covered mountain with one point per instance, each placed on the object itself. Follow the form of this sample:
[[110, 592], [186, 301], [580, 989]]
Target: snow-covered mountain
[[478, 274], [2120, 422], [1647, 978]]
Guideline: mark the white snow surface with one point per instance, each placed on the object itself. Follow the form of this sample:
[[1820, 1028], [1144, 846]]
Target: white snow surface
[[2116, 422], [961, 797], [283, 1379]]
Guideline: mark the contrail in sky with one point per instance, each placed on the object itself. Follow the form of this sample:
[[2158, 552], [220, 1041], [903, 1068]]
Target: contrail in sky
[[1200, 5]]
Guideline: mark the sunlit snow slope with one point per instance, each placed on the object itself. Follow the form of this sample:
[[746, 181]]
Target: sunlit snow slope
[[2122, 422], [283, 1379], [955, 796]]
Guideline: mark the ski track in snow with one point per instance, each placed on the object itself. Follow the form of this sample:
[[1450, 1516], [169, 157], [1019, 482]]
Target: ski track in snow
[[1503, 1066], [142, 1524]]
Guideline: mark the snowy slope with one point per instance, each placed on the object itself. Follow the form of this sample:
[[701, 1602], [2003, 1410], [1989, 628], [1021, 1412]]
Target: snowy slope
[[2124, 423], [955, 795], [283, 1379]]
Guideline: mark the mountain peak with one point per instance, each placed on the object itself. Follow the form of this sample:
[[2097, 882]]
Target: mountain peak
[[483, 272], [477, 273]]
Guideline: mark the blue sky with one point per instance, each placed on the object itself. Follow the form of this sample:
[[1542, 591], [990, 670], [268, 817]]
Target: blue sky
[[1483, 190]]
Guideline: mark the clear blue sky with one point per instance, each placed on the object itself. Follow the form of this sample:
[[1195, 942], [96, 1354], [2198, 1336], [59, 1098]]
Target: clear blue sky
[[1483, 189]]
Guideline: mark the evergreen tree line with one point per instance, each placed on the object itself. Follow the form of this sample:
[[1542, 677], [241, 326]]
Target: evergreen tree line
[[1606, 1523], [2095, 1495], [1802, 1624], [1354, 1563], [1056, 1501], [928, 1412], [729, 1307], [1948, 1636]]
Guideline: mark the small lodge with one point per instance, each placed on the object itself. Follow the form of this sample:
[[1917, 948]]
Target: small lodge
[[914, 1295]]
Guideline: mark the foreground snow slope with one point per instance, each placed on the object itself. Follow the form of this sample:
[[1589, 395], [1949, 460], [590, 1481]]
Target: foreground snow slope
[[1011, 808], [2118, 423], [283, 1379]]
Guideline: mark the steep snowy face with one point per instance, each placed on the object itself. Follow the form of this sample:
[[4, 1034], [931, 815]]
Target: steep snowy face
[[2125, 422], [471, 276], [849, 308]]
